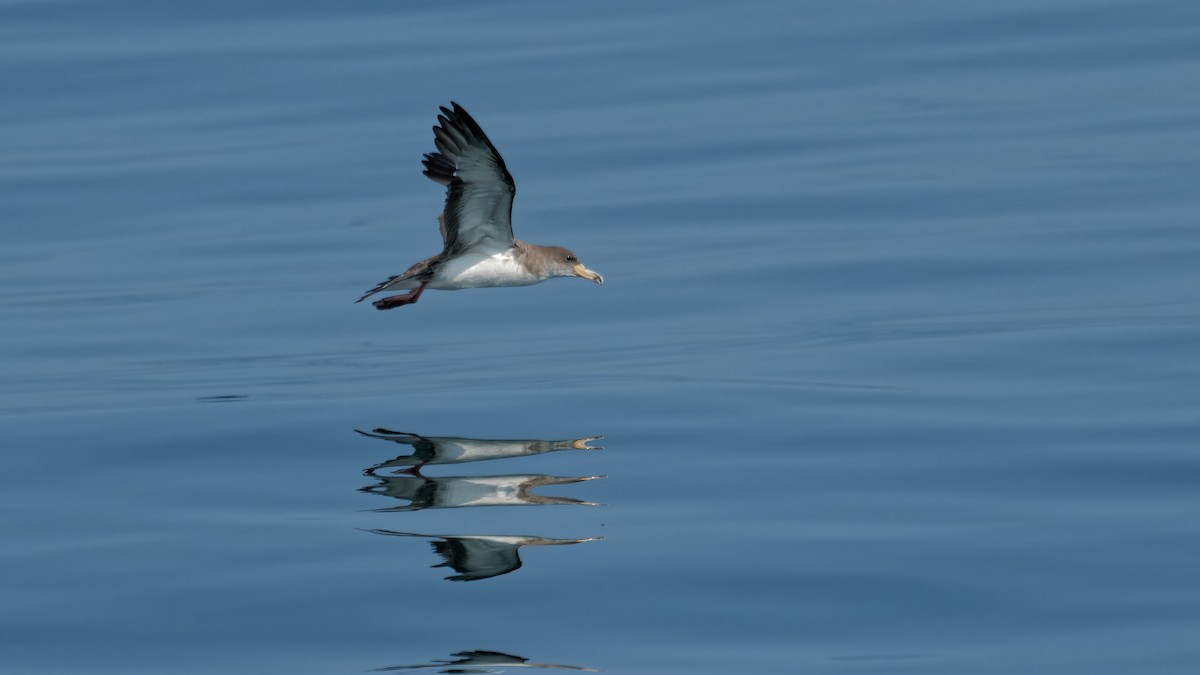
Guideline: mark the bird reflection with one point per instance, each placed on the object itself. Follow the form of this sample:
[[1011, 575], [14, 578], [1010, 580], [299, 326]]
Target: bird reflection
[[481, 661], [454, 450], [477, 557], [452, 492]]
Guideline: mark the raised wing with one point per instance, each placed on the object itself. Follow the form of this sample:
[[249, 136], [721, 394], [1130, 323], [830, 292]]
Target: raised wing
[[479, 189]]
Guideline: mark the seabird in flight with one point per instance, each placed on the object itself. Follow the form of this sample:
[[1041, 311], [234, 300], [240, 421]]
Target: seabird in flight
[[479, 249]]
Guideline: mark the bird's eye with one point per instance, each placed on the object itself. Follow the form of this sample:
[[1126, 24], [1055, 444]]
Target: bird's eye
[[571, 258]]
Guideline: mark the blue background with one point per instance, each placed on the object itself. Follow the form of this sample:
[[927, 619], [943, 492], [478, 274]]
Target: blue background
[[896, 359]]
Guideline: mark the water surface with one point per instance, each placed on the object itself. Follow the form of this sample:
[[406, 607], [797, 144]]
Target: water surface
[[895, 363]]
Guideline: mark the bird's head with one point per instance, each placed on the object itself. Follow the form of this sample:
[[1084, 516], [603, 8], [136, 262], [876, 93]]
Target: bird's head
[[566, 264]]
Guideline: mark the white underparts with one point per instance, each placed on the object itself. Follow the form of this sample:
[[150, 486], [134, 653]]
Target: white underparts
[[481, 270]]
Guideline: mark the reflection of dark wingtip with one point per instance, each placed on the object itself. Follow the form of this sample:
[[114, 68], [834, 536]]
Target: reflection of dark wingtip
[[481, 661], [380, 432]]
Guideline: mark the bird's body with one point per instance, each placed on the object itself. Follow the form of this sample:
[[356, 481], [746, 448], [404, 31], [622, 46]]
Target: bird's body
[[480, 270], [479, 249]]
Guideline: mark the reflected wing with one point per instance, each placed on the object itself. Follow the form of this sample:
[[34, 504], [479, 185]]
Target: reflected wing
[[476, 559], [479, 189], [479, 658], [389, 435], [475, 657], [484, 658]]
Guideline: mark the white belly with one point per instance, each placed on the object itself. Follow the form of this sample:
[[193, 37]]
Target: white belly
[[481, 270]]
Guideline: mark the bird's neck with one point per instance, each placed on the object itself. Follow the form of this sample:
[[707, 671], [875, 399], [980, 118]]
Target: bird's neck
[[534, 257]]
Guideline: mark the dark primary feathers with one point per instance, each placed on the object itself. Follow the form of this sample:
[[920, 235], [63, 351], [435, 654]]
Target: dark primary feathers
[[479, 189]]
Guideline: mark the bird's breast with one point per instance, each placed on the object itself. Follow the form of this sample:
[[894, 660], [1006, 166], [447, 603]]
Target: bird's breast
[[482, 270]]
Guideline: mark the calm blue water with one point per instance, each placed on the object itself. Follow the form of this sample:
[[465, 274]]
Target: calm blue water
[[896, 362]]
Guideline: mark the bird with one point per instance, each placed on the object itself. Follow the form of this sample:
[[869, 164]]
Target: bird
[[479, 249]]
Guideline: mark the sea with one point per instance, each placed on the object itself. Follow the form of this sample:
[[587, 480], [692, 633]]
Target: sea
[[896, 366]]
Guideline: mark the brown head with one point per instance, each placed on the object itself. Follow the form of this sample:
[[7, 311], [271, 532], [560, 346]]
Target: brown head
[[561, 262]]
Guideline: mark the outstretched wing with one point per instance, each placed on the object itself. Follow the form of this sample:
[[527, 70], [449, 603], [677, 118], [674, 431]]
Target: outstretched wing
[[479, 189]]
